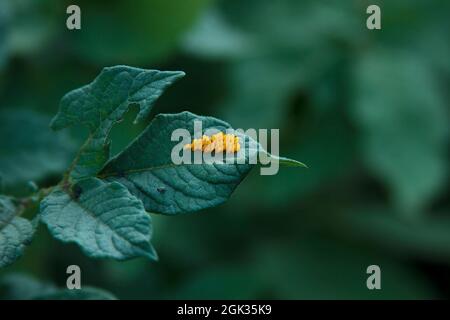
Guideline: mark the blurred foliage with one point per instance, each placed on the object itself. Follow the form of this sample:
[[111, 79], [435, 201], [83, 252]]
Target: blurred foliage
[[23, 287], [366, 110], [35, 153], [402, 135]]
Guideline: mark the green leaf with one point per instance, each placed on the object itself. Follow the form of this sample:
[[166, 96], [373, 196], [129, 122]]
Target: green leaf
[[401, 114], [295, 25], [103, 102], [17, 286], [15, 232], [213, 37], [144, 33], [262, 103], [23, 287], [280, 35], [104, 219], [426, 239], [223, 282], [3, 38], [27, 27], [322, 267], [145, 167], [29, 150], [87, 293]]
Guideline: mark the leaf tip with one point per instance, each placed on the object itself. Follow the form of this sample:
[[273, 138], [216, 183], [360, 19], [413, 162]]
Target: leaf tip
[[54, 123], [303, 165], [178, 74], [152, 254]]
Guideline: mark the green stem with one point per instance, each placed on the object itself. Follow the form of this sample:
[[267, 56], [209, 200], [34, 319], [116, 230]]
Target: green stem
[[27, 202]]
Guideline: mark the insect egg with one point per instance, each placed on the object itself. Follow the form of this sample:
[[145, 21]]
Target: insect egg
[[218, 142]]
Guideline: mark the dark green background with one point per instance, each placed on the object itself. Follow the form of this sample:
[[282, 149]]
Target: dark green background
[[366, 110]]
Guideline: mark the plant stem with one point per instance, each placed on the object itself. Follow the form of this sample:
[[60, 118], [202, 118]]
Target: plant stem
[[26, 202]]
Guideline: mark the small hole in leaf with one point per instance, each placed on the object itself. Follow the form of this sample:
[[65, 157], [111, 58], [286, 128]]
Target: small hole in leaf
[[76, 191], [161, 189]]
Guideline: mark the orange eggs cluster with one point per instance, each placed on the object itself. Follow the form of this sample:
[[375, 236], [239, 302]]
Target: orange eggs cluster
[[218, 142]]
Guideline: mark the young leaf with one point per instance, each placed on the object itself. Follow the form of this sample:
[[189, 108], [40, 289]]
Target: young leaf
[[102, 103], [145, 167], [104, 219], [15, 232]]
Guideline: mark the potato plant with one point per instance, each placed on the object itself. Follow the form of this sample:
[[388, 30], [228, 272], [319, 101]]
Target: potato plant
[[102, 203]]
